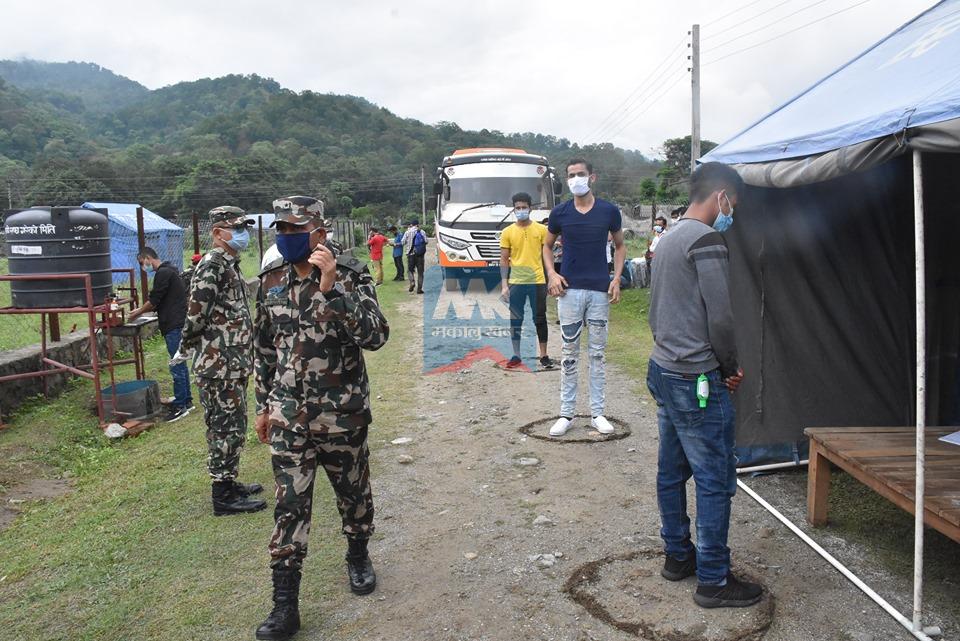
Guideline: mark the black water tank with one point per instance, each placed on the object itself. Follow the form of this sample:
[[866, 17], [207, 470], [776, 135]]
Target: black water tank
[[58, 240]]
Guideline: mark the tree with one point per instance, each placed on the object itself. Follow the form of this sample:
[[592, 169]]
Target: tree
[[676, 153], [648, 190]]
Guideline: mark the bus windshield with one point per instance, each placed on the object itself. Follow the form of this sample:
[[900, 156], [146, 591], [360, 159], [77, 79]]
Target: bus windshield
[[499, 189]]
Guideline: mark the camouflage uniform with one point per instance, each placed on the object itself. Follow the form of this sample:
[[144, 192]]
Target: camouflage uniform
[[311, 378], [219, 332]]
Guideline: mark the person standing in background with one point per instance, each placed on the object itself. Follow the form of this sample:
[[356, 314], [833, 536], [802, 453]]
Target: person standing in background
[[168, 297], [219, 335], [522, 278], [376, 243], [584, 288], [415, 248], [397, 244]]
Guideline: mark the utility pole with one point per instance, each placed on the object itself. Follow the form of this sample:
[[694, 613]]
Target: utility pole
[[423, 199], [695, 96], [9, 197]]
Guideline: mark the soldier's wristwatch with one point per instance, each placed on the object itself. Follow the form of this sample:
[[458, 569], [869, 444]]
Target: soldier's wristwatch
[[336, 292]]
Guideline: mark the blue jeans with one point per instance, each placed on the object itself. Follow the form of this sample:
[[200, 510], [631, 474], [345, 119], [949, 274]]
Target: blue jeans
[[578, 308], [519, 295], [179, 372], [695, 442]]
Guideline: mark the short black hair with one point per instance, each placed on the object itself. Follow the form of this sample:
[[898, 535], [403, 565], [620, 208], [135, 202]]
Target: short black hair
[[392, 228], [579, 161], [713, 176], [660, 218], [377, 229], [147, 252], [521, 197]]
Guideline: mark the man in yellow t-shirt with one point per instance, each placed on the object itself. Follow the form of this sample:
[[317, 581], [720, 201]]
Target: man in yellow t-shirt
[[522, 277]]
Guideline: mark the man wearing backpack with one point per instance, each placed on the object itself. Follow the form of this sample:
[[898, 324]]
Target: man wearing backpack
[[415, 247]]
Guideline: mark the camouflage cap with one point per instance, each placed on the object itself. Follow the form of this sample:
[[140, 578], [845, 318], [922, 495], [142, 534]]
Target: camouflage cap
[[227, 213], [297, 210]]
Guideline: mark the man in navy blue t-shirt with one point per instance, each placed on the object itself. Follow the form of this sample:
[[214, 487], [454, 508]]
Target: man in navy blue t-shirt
[[584, 287]]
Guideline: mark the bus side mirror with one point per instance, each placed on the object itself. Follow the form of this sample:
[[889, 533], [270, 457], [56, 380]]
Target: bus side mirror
[[438, 188], [557, 187]]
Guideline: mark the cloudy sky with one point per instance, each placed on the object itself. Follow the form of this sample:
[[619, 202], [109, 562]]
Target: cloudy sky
[[588, 71]]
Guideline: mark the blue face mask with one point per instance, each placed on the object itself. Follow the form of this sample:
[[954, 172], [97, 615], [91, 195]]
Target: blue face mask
[[523, 214], [148, 268], [294, 247], [723, 221], [239, 239]]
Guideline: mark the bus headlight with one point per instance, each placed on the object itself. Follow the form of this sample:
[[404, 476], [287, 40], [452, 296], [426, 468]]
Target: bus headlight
[[455, 243]]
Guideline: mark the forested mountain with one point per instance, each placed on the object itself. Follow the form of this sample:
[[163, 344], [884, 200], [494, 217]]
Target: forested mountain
[[88, 85], [71, 132]]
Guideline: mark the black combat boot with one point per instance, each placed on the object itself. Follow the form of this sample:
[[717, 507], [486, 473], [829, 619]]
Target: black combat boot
[[226, 500], [247, 489], [284, 620], [363, 579]]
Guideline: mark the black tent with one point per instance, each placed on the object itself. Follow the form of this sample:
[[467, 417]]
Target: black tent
[[823, 265]]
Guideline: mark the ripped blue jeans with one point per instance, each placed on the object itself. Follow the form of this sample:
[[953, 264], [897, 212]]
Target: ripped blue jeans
[[579, 308]]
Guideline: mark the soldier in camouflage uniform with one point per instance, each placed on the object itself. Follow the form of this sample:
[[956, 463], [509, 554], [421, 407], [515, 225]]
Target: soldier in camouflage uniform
[[316, 312], [218, 332]]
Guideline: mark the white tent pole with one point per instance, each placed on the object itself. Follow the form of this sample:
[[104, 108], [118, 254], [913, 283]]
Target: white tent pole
[[920, 251], [923, 635]]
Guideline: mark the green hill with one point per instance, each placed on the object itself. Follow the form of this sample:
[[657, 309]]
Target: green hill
[[71, 132], [97, 89]]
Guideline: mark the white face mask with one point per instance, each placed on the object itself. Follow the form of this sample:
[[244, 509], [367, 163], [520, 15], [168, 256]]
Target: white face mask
[[579, 185]]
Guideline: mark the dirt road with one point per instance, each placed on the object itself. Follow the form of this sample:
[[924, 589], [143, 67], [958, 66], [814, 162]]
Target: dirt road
[[486, 533]]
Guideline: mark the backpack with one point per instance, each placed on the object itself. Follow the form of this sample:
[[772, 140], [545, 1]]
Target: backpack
[[419, 243]]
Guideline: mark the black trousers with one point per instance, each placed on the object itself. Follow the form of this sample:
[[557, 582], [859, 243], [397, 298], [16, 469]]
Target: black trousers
[[415, 264], [398, 263]]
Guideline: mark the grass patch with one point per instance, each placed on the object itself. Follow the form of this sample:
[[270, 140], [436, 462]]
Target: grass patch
[[134, 552], [20, 330], [859, 514], [630, 341]]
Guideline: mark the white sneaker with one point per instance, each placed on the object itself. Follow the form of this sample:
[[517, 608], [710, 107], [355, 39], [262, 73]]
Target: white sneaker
[[602, 425], [560, 427]]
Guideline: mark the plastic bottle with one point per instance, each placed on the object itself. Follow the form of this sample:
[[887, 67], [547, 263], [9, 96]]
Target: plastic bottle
[[703, 390]]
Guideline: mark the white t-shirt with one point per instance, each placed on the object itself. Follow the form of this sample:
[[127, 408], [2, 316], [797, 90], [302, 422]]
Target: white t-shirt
[[269, 256], [655, 241]]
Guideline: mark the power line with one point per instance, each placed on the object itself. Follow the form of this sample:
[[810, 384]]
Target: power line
[[727, 15], [785, 33], [750, 19], [638, 102], [599, 128], [653, 102], [768, 25]]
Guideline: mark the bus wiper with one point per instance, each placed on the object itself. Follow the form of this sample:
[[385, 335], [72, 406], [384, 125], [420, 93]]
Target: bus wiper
[[513, 210], [454, 221]]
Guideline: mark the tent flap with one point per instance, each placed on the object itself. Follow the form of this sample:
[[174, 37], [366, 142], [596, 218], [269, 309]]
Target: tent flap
[[795, 172]]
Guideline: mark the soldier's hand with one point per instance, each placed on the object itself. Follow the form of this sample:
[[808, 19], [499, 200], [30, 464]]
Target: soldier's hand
[[262, 426], [324, 260]]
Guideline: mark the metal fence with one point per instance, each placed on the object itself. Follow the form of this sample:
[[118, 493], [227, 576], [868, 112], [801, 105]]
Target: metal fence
[[197, 238]]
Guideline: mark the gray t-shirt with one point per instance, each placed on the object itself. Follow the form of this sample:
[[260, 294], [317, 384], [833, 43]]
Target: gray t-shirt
[[690, 312]]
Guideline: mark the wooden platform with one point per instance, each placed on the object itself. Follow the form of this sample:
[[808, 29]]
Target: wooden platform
[[882, 458]]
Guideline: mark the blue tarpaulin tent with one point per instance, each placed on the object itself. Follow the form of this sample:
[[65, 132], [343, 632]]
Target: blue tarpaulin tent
[[822, 255], [844, 261], [900, 94], [159, 233]]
